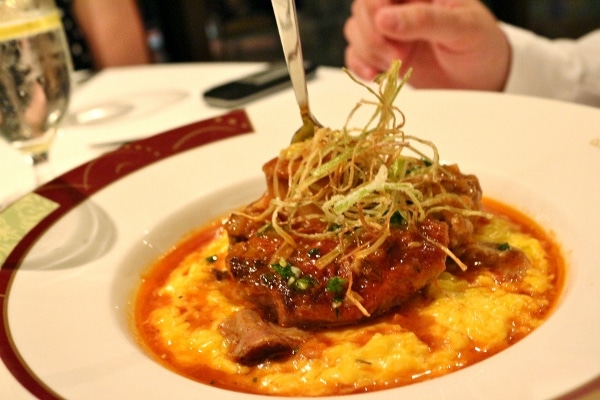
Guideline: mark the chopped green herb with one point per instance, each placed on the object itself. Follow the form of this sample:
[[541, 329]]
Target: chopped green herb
[[334, 227], [335, 285], [303, 283], [285, 270], [292, 275], [504, 246], [212, 259], [427, 162], [397, 219]]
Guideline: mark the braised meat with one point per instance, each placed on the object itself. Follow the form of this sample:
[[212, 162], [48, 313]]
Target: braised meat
[[313, 297], [354, 221], [252, 340], [506, 264], [289, 287]]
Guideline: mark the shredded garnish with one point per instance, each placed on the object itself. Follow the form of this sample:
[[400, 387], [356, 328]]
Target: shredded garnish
[[355, 184]]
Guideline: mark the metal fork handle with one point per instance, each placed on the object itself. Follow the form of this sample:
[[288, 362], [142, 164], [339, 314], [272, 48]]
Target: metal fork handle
[[287, 24]]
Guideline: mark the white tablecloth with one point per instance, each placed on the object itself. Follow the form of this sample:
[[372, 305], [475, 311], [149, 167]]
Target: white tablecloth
[[164, 96]]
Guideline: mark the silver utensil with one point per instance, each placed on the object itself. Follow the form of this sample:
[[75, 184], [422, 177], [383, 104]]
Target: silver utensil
[[287, 24]]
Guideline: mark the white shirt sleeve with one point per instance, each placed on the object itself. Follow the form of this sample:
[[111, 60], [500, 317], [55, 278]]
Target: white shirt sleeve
[[563, 69]]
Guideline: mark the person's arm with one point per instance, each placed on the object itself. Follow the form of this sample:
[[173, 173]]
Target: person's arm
[[561, 69], [114, 31]]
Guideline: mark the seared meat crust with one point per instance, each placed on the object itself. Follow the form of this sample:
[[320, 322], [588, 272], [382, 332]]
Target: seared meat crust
[[403, 265]]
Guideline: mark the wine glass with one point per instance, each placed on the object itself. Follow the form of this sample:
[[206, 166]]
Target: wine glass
[[35, 79]]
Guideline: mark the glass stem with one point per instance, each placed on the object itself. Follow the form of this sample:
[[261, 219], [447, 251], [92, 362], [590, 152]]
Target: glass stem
[[41, 168]]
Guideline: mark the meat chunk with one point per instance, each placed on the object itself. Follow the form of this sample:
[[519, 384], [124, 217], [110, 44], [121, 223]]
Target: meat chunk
[[506, 264], [403, 265], [466, 186], [252, 340], [291, 287]]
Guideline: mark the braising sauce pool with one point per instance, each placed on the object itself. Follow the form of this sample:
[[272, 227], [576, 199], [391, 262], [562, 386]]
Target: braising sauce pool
[[461, 319]]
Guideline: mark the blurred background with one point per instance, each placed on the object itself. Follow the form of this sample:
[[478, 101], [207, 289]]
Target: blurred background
[[245, 30]]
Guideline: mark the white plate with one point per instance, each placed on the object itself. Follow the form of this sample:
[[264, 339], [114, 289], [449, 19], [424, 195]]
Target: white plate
[[66, 305]]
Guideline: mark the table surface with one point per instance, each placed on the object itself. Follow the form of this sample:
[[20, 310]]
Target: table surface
[[164, 95]]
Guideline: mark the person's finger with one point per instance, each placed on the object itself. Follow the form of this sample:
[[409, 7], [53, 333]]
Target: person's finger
[[360, 26], [367, 44], [358, 66], [422, 21]]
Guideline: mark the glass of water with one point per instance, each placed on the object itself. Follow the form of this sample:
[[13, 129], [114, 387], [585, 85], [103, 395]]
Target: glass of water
[[35, 79]]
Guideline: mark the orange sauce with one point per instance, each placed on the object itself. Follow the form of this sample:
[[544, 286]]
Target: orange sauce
[[411, 320]]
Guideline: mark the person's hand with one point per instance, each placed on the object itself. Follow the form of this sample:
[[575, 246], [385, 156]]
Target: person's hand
[[447, 43]]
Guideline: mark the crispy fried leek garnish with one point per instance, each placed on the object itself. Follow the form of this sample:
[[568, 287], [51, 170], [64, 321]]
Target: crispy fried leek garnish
[[354, 184]]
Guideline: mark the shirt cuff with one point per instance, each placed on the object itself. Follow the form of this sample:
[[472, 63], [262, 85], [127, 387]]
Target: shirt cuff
[[540, 66]]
